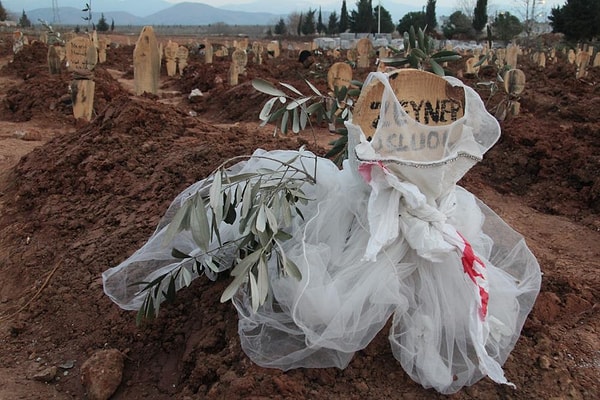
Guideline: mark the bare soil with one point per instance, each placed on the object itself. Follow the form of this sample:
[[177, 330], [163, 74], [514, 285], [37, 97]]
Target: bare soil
[[77, 198]]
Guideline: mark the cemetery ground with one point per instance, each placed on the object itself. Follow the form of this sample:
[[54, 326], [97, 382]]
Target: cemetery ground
[[79, 197]]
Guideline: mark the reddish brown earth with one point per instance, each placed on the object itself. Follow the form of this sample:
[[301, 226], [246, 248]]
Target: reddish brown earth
[[77, 198]]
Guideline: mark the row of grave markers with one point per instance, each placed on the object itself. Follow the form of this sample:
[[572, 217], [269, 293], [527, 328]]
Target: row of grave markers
[[83, 52]]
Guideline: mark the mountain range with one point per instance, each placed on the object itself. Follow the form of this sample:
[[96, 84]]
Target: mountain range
[[160, 12]]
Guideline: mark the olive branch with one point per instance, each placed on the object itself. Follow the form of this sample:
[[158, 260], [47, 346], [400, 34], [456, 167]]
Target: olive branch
[[261, 205]]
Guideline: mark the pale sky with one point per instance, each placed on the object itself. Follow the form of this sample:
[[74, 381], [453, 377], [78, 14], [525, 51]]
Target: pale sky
[[350, 3]]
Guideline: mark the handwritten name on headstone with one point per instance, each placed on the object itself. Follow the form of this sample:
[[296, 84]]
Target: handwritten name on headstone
[[413, 142], [441, 111], [81, 55]]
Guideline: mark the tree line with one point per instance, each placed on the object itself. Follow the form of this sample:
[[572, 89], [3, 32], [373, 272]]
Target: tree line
[[578, 20]]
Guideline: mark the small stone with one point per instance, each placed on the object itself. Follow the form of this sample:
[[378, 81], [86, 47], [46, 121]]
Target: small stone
[[101, 374], [544, 362], [46, 375]]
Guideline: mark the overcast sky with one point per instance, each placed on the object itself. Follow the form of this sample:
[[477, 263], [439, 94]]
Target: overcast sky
[[350, 3]]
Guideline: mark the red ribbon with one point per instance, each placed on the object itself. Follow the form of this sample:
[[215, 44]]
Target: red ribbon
[[468, 261]]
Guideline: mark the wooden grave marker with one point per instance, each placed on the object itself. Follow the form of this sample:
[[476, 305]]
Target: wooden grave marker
[[82, 57], [54, 61], [182, 58], [208, 52], [170, 52], [146, 62], [340, 74], [363, 49]]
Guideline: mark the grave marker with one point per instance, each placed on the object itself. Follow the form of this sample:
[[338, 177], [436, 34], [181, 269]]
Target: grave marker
[[170, 57], [340, 74], [182, 57], [512, 53], [240, 58], [103, 44], [363, 48], [425, 99], [273, 48], [54, 61], [146, 62], [208, 52], [257, 49], [82, 57]]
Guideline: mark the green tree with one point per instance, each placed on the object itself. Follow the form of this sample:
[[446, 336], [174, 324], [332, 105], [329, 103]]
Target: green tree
[[112, 24], [457, 25], [430, 18], [300, 23], [3, 15], [383, 21], [577, 19], [413, 18], [308, 22], [24, 21], [321, 28], [333, 24], [480, 15], [102, 25], [344, 18], [506, 27], [362, 19], [280, 27]]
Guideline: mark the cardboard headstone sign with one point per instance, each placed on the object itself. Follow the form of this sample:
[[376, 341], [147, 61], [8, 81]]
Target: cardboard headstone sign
[[146, 62], [426, 99], [81, 55], [340, 74]]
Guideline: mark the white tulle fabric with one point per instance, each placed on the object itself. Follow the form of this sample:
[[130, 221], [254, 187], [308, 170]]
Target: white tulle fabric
[[387, 236]]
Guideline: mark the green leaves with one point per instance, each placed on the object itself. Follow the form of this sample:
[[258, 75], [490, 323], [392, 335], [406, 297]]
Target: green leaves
[[262, 203], [419, 53], [289, 112]]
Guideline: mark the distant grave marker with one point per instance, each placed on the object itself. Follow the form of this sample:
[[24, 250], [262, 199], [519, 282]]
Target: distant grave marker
[[182, 57], [82, 56], [582, 61], [470, 68], [54, 61], [146, 62], [18, 41], [273, 48], [103, 44], [340, 74], [170, 52], [240, 58], [363, 49], [571, 56], [512, 53], [257, 49], [208, 52]]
